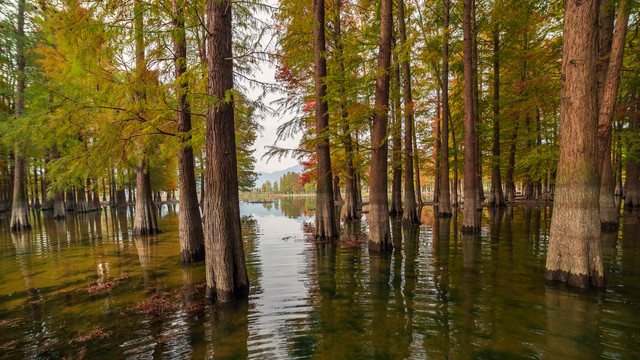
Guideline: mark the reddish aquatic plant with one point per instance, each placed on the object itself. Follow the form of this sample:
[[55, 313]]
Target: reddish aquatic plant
[[9, 322], [96, 333], [9, 346], [159, 305], [101, 288]]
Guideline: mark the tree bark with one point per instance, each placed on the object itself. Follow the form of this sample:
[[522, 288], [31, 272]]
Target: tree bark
[[59, 210], [410, 213], [476, 107], [437, 155], [189, 220], [574, 255], [337, 196], [47, 204], [416, 167], [509, 184], [350, 211], [444, 199], [81, 199], [618, 168], [325, 213], [470, 223], [97, 206], [379, 231], [20, 207], [496, 197], [36, 201], [90, 204], [226, 272], [70, 200], [144, 221], [607, 99], [396, 134]]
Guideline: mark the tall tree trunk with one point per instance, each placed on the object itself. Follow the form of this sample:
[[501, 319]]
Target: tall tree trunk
[[112, 189], [607, 99], [632, 183], [509, 184], [476, 107], [470, 223], [189, 220], [36, 201], [20, 206], [396, 134], [416, 167], [437, 155], [410, 213], [47, 204], [81, 199], [379, 231], [59, 210], [325, 213], [104, 190], [70, 200], [144, 221], [96, 198], [202, 184], [496, 197], [444, 199], [618, 167], [226, 271], [337, 196], [350, 211], [574, 255], [537, 183], [90, 203]]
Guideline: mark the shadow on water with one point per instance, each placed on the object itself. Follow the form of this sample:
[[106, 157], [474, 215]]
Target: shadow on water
[[84, 286]]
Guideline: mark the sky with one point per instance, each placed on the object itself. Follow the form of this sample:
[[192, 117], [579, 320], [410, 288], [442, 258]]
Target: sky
[[270, 122]]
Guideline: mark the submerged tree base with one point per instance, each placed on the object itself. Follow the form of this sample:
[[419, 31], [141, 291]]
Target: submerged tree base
[[192, 256], [583, 281], [383, 246], [609, 226], [470, 229]]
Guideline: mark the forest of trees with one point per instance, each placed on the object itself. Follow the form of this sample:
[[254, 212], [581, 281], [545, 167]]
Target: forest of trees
[[104, 99], [509, 94], [289, 183]]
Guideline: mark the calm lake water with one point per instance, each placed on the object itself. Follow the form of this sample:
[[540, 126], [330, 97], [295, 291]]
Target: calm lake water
[[84, 287]]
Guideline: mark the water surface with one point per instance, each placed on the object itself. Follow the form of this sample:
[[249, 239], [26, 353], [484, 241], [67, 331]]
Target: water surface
[[85, 287]]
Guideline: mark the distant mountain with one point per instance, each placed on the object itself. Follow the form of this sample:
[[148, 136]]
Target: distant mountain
[[276, 175]]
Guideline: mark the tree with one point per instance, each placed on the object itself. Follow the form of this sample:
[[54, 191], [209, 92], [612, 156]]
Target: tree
[[350, 211], [396, 137], [496, 197], [410, 213], [379, 231], [325, 213], [144, 221], [20, 206], [189, 221], [471, 223], [226, 271], [608, 91], [444, 198], [574, 255]]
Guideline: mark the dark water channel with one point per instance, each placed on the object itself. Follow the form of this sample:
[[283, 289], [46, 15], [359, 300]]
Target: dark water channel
[[84, 287]]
